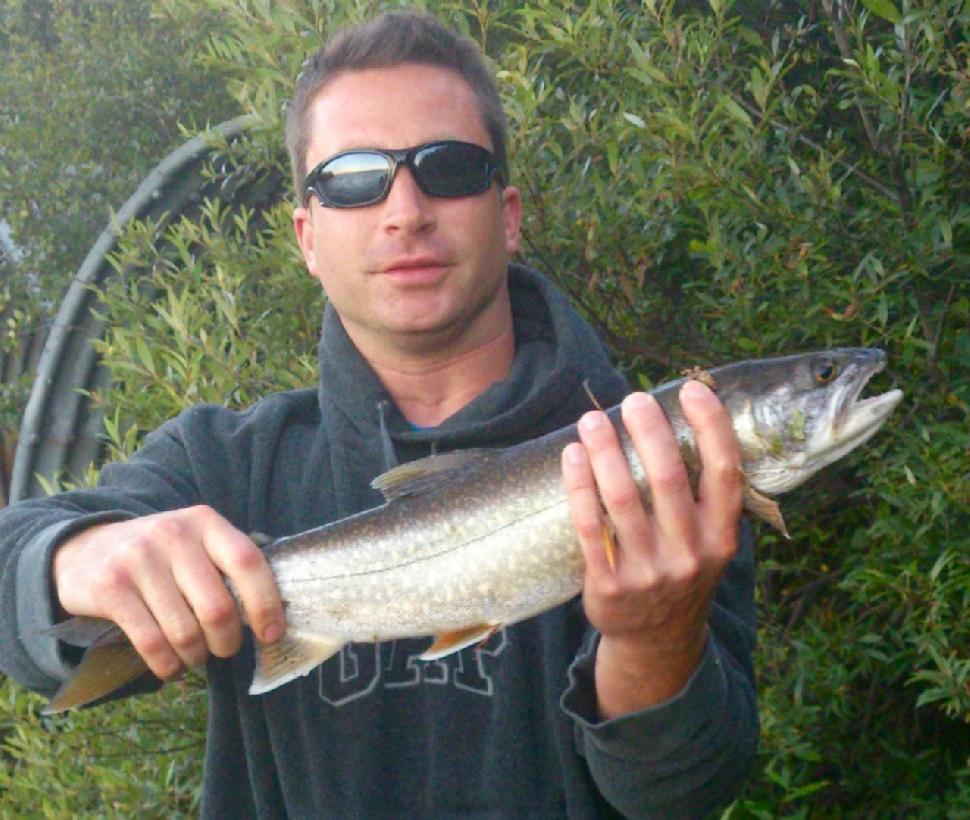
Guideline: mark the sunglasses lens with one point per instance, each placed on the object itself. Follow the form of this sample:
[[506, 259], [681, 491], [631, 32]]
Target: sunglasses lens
[[353, 179], [453, 169]]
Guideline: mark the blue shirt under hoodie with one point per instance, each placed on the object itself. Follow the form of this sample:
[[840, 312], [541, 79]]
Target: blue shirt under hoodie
[[507, 729]]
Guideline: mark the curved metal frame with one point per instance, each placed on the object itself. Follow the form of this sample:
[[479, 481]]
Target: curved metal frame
[[58, 413]]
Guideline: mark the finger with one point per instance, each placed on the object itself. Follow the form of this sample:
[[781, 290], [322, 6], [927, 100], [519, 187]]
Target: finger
[[137, 622], [151, 574], [585, 508], [243, 563], [722, 478], [91, 583], [206, 593], [659, 453], [614, 481]]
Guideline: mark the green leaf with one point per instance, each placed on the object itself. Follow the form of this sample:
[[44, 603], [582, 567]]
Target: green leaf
[[736, 111], [885, 9]]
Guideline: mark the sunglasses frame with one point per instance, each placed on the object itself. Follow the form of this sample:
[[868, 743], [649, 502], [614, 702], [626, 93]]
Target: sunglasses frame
[[397, 158]]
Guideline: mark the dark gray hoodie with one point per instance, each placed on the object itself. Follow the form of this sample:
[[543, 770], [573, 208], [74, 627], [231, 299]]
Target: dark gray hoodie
[[507, 729]]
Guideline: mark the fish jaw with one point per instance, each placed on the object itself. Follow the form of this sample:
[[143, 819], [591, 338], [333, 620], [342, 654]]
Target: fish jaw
[[850, 421], [821, 424]]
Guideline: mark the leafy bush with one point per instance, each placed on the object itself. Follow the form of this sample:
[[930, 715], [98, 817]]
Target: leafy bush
[[708, 182], [141, 758], [93, 95]]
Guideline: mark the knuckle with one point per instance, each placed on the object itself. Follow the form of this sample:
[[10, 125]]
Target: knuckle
[[727, 471], [261, 613], [611, 591], [687, 570], [589, 529], [152, 645], [249, 557], [623, 500], [167, 668], [650, 579], [217, 614], [163, 529], [726, 546], [202, 511], [110, 578], [136, 552], [183, 635], [668, 479], [711, 414], [242, 556], [574, 484]]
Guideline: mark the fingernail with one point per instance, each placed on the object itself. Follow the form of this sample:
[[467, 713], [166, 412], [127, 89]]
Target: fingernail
[[592, 421], [638, 401], [695, 389], [575, 455], [272, 632]]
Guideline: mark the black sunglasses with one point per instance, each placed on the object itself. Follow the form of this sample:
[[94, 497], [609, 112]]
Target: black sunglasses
[[363, 176]]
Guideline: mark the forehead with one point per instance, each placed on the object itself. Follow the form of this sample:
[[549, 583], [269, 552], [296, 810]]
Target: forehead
[[393, 107]]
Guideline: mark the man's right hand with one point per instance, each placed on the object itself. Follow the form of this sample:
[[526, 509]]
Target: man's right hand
[[160, 578]]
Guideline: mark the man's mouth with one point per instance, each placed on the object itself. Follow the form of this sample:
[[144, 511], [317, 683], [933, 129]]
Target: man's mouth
[[416, 268]]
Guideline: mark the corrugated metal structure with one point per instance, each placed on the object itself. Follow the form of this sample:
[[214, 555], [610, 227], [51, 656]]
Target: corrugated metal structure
[[61, 432], [18, 359]]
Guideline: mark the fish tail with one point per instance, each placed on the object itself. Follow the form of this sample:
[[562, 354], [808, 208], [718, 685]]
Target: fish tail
[[109, 663]]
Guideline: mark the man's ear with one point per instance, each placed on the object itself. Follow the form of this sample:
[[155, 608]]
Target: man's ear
[[303, 227], [512, 216]]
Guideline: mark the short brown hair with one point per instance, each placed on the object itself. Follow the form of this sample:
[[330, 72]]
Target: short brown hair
[[388, 40]]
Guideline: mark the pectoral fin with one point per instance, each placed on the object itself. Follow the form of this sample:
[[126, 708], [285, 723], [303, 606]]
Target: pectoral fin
[[448, 642], [764, 508], [104, 668], [289, 658]]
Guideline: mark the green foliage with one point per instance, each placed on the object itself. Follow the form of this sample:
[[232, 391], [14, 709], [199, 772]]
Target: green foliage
[[92, 95], [708, 181], [141, 758], [223, 312]]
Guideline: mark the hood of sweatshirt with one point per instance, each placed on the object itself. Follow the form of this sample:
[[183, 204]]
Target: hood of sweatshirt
[[556, 352]]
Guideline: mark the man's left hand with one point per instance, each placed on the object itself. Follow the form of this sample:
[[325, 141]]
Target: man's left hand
[[651, 608]]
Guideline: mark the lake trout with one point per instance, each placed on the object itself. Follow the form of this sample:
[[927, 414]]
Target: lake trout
[[471, 540]]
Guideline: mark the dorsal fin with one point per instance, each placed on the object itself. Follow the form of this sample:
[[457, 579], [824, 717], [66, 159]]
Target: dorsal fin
[[428, 473]]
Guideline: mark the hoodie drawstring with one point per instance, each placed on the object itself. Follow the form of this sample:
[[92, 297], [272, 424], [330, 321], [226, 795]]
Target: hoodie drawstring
[[390, 457]]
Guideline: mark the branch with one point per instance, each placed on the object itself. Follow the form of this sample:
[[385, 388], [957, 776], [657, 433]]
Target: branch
[[806, 593], [933, 338], [846, 51], [851, 168]]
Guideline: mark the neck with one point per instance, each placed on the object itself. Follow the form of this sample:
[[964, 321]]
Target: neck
[[429, 389]]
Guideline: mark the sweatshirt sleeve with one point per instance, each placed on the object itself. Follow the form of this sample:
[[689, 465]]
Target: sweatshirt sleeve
[[153, 480], [687, 756]]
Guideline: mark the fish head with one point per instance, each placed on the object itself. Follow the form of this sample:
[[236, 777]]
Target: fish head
[[794, 415]]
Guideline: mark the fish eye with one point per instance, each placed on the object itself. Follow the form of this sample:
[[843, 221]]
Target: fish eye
[[826, 372]]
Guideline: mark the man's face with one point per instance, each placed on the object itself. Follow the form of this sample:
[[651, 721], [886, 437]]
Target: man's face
[[413, 273]]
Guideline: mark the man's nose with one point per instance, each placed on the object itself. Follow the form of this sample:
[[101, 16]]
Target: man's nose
[[407, 208]]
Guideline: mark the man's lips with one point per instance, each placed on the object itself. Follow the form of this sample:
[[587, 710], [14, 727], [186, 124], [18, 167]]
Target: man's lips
[[416, 268]]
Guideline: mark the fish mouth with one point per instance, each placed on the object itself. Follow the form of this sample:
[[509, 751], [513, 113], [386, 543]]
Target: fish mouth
[[853, 420]]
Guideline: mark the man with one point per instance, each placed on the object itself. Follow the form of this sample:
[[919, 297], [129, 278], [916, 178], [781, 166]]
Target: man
[[637, 699]]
